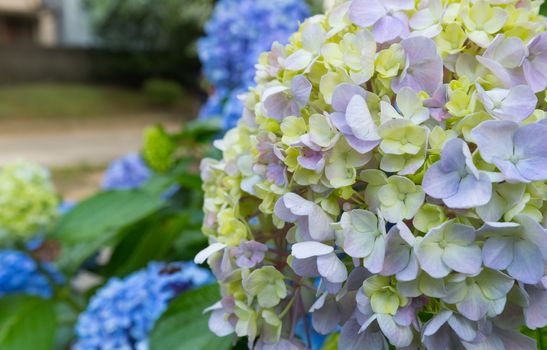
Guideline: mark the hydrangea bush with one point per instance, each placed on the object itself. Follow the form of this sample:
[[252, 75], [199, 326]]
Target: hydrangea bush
[[20, 274], [388, 177], [28, 202], [237, 33], [123, 312]]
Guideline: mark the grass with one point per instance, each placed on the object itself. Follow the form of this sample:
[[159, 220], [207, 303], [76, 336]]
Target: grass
[[50, 100]]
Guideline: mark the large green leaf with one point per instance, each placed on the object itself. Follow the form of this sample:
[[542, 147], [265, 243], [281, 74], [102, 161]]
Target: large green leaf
[[27, 323], [100, 220], [184, 325], [544, 9], [150, 239]]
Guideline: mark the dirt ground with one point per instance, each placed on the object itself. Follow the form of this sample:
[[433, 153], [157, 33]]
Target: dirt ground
[[77, 150]]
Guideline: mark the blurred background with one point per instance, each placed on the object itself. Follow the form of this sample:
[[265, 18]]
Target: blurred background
[[82, 78]]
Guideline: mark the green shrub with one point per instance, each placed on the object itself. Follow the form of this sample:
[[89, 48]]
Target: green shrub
[[164, 93]]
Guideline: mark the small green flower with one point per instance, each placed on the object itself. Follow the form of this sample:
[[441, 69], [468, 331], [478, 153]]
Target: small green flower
[[428, 217], [403, 145], [267, 285], [384, 298]]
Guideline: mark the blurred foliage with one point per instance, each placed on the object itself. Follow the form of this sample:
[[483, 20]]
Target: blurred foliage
[[159, 148], [162, 92], [147, 38]]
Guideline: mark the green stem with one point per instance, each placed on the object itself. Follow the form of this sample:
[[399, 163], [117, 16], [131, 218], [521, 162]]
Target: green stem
[[539, 338]]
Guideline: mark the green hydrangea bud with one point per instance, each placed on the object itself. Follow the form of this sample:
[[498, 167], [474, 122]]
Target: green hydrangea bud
[[159, 149]]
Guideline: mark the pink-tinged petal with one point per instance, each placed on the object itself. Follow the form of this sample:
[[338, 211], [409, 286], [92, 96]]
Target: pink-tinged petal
[[365, 13], [528, 264], [304, 250], [430, 257], [495, 139], [344, 93], [473, 306], [301, 90], [471, 193], [438, 184], [332, 268], [397, 335], [497, 252], [464, 259]]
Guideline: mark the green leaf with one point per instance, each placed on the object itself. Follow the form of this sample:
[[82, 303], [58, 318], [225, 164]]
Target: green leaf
[[98, 221], [540, 335], [332, 342], [543, 11], [27, 323], [184, 325], [150, 239]]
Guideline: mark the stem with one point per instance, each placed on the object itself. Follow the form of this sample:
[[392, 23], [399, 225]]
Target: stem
[[289, 305]]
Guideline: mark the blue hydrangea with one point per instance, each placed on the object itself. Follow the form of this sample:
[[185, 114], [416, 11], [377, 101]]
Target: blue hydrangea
[[237, 33], [19, 274], [126, 173], [123, 312]]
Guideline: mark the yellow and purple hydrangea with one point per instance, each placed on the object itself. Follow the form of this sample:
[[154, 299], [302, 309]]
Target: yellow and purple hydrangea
[[388, 177]]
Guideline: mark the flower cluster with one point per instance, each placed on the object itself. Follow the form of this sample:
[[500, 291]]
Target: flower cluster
[[28, 202], [389, 177], [125, 173], [237, 33], [123, 312], [20, 274]]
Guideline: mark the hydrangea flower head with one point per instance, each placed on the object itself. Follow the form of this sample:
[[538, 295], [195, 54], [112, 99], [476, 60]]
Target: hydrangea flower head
[[238, 32], [28, 201], [20, 274], [388, 180], [125, 173], [123, 312]]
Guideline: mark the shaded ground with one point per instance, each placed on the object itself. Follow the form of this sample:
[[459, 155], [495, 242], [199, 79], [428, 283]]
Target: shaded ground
[[78, 147]]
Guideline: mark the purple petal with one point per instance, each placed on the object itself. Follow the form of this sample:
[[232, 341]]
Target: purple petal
[[535, 314], [464, 328], [397, 335], [471, 193], [343, 93], [388, 28], [466, 259], [497, 252], [365, 13], [325, 320], [495, 139], [474, 306], [528, 264], [439, 184], [305, 267]]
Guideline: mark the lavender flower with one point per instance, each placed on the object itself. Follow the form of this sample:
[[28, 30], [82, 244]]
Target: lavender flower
[[125, 173]]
